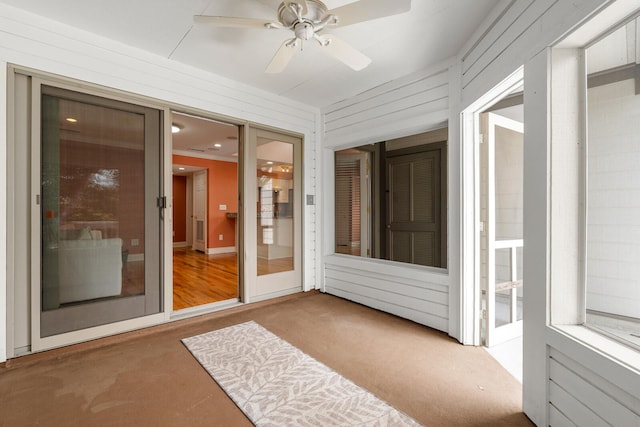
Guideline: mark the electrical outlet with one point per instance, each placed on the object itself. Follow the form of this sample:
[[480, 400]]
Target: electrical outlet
[[223, 207], [135, 242], [220, 237]]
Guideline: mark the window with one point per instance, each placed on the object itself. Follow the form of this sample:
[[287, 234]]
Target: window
[[390, 200], [612, 185]]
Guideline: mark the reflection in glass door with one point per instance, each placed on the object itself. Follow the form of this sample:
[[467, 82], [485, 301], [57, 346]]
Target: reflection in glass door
[[98, 220], [273, 178]]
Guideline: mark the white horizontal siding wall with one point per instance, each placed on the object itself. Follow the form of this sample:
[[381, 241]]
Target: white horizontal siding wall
[[584, 397], [35, 42], [516, 32], [408, 106], [566, 382], [406, 291]]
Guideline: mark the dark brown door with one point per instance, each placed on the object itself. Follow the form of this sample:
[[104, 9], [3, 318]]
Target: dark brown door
[[414, 208]]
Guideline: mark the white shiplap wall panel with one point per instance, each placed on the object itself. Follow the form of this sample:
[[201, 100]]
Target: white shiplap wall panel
[[587, 398], [558, 419], [524, 29], [406, 106], [520, 34], [517, 19], [60, 47], [34, 42], [407, 291], [430, 88]]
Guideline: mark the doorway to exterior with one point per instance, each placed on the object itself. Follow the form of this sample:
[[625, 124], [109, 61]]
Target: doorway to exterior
[[493, 148], [204, 211]]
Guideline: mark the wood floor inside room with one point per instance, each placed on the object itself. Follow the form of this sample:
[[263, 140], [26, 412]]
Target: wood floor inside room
[[149, 378], [200, 279]]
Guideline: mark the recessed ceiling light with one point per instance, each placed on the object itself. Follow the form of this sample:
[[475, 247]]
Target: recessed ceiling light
[[175, 128], [181, 169], [217, 145], [269, 163], [71, 120]]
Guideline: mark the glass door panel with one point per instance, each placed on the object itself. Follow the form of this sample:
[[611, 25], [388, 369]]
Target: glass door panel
[[99, 225], [274, 160], [275, 200]]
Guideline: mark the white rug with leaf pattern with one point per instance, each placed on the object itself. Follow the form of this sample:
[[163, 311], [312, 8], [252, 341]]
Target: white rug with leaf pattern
[[276, 384]]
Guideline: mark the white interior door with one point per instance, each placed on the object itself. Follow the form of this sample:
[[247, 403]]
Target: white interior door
[[273, 212], [501, 215], [200, 211]]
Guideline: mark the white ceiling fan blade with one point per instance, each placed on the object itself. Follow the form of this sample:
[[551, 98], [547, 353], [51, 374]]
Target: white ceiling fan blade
[[229, 21], [343, 51], [366, 10], [282, 56]]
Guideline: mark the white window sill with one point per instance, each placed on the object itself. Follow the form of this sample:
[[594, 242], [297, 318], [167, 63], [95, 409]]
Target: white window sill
[[606, 348]]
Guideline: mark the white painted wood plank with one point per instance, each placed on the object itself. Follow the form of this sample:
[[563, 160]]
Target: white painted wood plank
[[426, 292], [590, 396], [493, 34], [432, 71], [394, 93], [394, 269], [526, 15], [572, 408], [427, 300], [610, 386], [432, 98], [557, 418], [59, 47], [426, 319], [401, 300], [419, 119], [548, 29]]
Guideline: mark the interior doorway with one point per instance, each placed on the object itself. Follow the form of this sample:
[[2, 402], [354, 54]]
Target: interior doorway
[[204, 211]]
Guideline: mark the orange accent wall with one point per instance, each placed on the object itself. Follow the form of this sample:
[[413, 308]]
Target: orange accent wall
[[222, 184], [179, 208]]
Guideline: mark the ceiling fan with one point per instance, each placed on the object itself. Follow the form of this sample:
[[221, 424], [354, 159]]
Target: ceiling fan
[[307, 19]]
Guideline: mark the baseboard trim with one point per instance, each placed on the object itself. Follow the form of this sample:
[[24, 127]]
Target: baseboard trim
[[226, 250], [180, 244]]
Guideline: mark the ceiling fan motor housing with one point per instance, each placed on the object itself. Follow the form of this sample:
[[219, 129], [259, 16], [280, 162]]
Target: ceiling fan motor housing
[[304, 25]]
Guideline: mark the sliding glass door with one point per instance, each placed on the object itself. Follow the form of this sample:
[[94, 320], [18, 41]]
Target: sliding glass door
[[96, 222]]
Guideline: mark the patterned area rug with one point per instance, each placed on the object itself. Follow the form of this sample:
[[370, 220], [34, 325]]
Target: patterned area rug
[[276, 384]]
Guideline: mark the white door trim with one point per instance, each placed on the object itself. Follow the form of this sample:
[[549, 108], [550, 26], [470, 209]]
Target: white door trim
[[470, 302]]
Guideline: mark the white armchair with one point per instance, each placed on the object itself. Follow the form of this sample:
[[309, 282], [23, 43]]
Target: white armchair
[[89, 269]]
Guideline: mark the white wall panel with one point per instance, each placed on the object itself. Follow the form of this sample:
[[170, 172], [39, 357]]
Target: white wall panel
[[404, 107], [520, 34], [585, 397], [407, 291], [522, 30], [34, 42]]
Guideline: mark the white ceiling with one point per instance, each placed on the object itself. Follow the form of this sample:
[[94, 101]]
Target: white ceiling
[[399, 45]]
